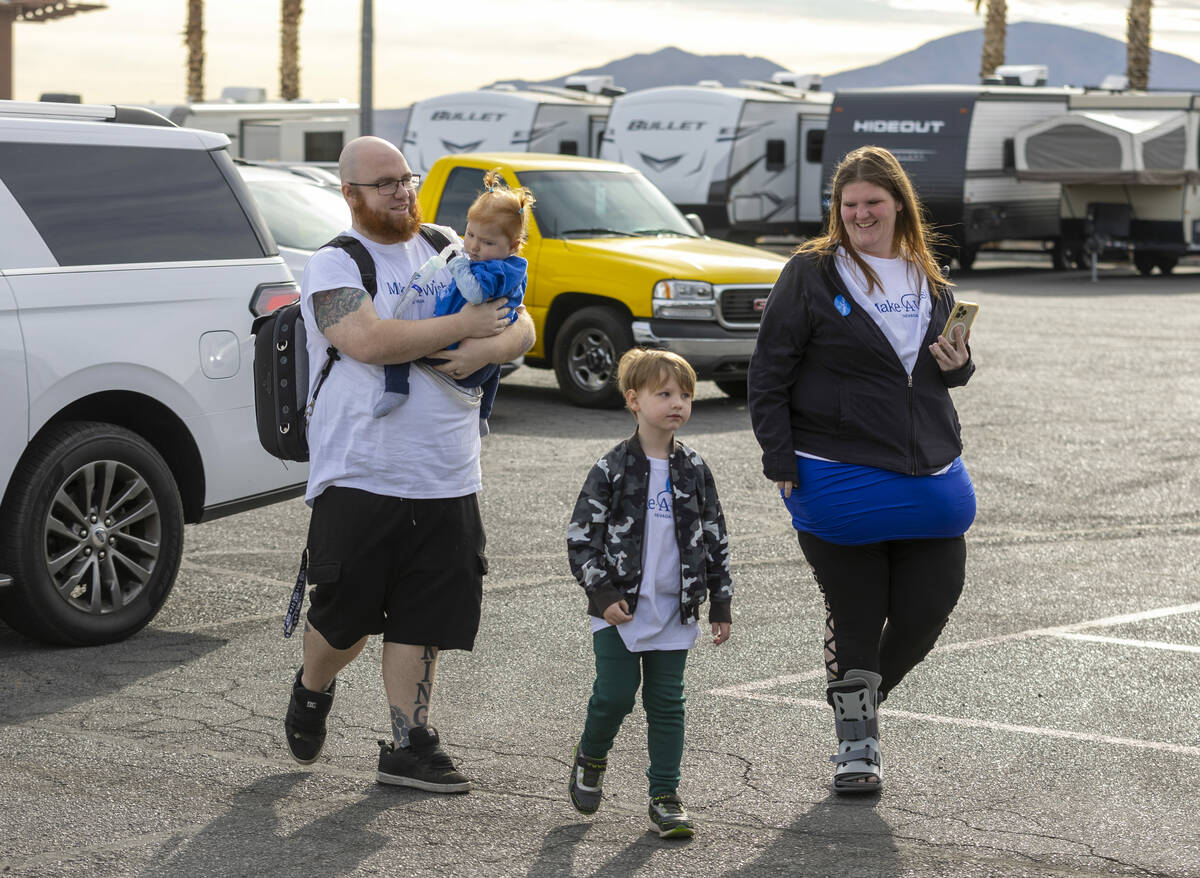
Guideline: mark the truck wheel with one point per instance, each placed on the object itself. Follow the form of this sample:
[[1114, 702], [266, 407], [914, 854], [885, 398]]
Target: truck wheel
[[966, 257], [1144, 262], [92, 531], [1166, 264], [586, 352], [732, 387]]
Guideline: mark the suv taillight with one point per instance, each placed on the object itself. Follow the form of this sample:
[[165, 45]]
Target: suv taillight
[[272, 297]]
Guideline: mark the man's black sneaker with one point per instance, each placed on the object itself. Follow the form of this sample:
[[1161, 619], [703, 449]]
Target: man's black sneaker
[[423, 764], [305, 720], [669, 818], [587, 776]]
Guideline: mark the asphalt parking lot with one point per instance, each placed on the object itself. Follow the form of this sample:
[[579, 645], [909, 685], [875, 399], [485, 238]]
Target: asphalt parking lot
[[1052, 732]]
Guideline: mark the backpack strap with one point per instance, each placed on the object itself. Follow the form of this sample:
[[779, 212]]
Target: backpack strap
[[355, 250], [434, 238]]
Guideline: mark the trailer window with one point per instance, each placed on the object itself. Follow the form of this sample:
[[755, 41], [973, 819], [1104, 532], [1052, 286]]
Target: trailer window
[[568, 147], [814, 146], [462, 187], [1010, 154], [776, 155], [323, 146]]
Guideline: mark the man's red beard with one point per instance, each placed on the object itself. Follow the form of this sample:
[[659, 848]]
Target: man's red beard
[[383, 225]]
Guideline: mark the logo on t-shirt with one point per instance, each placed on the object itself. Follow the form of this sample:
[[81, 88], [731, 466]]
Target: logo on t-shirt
[[909, 305], [660, 505]]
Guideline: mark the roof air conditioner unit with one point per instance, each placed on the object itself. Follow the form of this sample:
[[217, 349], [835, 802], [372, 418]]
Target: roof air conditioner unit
[[1023, 74], [802, 81], [243, 94]]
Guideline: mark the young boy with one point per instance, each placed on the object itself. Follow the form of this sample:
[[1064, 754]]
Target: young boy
[[647, 542]]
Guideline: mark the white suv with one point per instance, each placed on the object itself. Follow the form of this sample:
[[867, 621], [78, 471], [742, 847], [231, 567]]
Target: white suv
[[132, 263]]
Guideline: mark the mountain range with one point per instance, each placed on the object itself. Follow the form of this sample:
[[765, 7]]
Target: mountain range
[[1074, 57]]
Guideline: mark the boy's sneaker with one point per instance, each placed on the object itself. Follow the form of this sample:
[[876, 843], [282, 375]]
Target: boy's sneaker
[[423, 764], [669, 818], [305, 720], [587, 776]]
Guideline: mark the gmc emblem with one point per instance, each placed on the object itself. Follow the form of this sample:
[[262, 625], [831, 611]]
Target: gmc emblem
[[760, 305]]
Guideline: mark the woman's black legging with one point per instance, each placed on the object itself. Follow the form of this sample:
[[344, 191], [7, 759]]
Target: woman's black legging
[[886, 602]]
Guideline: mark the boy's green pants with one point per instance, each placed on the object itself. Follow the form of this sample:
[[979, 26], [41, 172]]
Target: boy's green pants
[[618, 673]]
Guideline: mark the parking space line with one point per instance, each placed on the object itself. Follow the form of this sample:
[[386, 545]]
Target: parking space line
[[1125, 641], [885, 712], [1124, 619]]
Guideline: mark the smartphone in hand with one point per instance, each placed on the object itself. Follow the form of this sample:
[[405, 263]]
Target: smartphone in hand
[[961, 315]]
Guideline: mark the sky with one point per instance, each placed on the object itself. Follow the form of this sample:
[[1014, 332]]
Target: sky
[[133, 51]]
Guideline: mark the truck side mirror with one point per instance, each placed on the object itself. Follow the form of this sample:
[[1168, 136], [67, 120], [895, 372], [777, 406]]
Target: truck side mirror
[[697, 223]]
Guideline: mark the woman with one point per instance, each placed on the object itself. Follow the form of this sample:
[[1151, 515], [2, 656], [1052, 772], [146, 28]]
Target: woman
[[849, 401]]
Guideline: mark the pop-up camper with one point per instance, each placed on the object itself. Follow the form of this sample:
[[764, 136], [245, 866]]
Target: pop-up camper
[[1127, 163], [747, 160], [956, 144], [262, 130], [563, 121]]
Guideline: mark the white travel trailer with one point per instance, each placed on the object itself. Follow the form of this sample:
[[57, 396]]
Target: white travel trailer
[[262, 130], [563, 121], [1127, 164], [956, 144], [747, 160]]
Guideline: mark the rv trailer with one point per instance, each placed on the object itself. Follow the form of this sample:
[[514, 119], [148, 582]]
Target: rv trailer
[[562, 121], [1127, 164], [746, 160], [956, 144], [261, 130]]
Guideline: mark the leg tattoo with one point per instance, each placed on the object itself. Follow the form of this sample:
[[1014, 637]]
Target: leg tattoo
[[425, 687], [401, 726], [403, 722]]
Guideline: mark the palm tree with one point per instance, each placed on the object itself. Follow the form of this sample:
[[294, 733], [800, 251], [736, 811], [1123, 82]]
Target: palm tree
[[1137, 44], [289, 49], [193, 38], [993, 36]]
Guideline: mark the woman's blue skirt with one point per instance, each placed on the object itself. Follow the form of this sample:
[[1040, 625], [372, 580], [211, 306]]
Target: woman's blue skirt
[[853, 505]]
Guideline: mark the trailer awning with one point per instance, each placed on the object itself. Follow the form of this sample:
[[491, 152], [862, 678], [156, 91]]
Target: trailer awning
[[1156, 147]]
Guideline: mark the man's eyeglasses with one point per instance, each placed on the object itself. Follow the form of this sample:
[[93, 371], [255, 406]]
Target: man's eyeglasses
[[390, 187]]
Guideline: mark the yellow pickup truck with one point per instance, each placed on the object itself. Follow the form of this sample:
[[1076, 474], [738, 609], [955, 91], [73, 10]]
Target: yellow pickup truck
[[613, 264]]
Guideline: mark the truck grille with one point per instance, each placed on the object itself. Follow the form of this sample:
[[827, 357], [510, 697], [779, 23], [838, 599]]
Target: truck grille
[[737, 306]]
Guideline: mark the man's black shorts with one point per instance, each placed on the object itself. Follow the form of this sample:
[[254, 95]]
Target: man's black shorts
[[409, 569]]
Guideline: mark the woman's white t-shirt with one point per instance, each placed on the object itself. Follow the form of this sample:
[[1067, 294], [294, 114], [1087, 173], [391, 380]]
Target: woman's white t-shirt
[[655, 623], [901, 309], [428, 447]]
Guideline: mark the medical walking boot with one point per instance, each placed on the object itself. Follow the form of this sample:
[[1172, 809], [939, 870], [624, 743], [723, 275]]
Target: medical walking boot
[[855, 698]]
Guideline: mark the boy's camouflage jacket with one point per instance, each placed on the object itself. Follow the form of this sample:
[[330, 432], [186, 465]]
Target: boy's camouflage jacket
[[604, 538]]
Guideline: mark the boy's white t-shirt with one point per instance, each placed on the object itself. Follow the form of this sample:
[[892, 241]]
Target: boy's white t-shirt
[[428, 447], [655, 623], [901, 309]]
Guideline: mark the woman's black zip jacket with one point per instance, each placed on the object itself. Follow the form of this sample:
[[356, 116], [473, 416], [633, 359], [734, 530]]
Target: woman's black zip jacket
[[833, 386]]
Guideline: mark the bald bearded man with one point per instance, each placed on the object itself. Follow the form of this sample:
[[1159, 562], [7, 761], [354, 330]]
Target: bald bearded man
[[395, 540]]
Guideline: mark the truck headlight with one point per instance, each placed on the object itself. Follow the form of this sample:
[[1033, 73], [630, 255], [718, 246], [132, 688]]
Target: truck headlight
[[684, 300]]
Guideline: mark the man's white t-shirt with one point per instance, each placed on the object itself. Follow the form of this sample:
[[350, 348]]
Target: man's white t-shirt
[[655, 623], [428, 447], [901, 309]]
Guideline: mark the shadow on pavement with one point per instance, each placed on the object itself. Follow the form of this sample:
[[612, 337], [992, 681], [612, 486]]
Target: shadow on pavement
[[41, 680], [837, 836], [556, 857], [248, 838]]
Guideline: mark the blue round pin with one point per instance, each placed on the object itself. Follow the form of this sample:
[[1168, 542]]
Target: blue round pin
[[842, 305]]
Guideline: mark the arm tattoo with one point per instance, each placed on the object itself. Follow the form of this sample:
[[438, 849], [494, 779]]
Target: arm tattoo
[[330, 306]]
